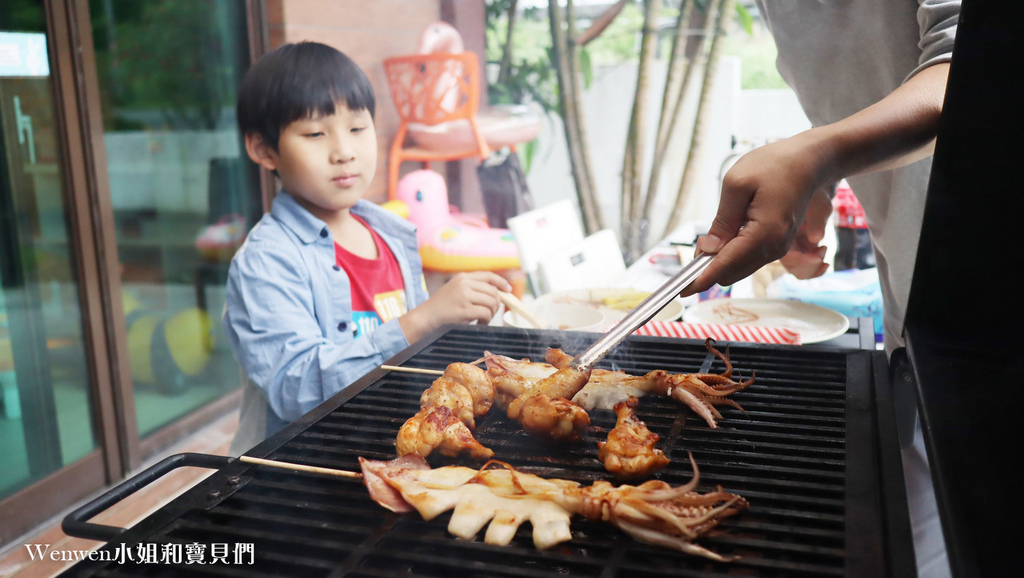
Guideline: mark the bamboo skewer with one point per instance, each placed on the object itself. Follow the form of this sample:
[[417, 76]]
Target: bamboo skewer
[[300, 467], [518, 307], [412, 369], [420, 370]]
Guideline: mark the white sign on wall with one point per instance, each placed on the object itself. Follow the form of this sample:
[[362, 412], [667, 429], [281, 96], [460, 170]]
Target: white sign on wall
[[23, 54]]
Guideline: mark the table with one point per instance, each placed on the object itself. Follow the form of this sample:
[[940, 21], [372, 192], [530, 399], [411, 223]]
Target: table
[[643, 274]]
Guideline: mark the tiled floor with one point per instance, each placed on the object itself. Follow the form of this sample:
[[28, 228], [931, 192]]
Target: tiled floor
[[16, 562]]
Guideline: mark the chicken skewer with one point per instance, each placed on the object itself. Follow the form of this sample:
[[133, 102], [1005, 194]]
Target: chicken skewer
[[544, 409], [438, 428], [463, 392], [447, 415], [538, 396], [463, 388], [629, 452], [502, 499]]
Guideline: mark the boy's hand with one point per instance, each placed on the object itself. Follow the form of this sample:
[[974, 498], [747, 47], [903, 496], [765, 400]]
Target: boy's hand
[[467, 297]]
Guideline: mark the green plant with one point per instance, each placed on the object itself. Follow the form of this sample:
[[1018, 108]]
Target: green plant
[[166, 55]]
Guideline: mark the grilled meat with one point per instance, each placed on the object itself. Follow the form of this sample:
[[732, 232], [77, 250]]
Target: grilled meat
[[653, 512], [438, 428], [629, 452], [545, 410]]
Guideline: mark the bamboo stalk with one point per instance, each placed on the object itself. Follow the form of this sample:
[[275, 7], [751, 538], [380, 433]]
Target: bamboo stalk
[[698, 50], [601, 23], [632, 170], [677, 83], [506, 53], [726, 8], [300, 467], [566, 60]]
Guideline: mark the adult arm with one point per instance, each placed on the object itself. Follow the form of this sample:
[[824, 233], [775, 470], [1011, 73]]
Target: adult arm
[[765, 196]]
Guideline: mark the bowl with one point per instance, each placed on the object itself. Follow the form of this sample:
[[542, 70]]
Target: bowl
[[562, 316]]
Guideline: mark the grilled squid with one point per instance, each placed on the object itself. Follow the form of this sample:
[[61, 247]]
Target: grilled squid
[[503, 499]]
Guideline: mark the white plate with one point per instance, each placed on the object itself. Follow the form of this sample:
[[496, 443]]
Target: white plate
[[814, 323], [595, 298], [570, 317]]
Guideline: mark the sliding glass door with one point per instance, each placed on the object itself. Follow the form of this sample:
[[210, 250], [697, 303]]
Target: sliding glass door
[[124, 192], [46, 404], [182, 191]]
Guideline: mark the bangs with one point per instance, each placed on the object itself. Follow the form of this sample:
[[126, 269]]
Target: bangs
[[321, 79], [299, 81]]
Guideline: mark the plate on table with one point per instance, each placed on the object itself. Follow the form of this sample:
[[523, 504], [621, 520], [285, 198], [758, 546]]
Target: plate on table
[[814, 323], [615, 303]]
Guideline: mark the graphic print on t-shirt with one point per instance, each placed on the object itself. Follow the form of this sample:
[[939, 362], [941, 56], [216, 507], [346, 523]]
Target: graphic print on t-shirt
[[390, 305], [378, 292], [386, 306]]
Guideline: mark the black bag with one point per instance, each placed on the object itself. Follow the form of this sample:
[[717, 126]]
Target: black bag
[[504, 188]]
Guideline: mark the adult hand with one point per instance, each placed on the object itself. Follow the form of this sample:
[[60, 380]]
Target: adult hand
[[766, 193], [806, 259], [764, 200], [467, 297]]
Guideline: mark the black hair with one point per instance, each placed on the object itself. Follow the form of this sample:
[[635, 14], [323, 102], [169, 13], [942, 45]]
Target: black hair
[[297, 81]]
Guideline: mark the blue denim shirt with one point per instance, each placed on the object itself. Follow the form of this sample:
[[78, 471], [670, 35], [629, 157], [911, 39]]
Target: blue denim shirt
[[288, 313]]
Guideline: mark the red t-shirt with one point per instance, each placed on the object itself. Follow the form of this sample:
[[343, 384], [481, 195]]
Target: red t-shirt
[[378, 292]]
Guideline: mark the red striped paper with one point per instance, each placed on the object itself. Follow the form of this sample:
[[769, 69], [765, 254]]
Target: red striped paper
[[750, 333]]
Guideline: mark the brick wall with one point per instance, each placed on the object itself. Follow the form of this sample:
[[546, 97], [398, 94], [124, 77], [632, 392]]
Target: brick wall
[[369, 31]]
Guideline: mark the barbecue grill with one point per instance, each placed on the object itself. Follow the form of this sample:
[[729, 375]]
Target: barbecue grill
[[815, 453]]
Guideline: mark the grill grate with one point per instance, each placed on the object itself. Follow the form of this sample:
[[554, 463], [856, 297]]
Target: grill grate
[[813, 488]]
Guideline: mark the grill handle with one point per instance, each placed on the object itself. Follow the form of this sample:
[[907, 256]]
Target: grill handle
[[76, 524]]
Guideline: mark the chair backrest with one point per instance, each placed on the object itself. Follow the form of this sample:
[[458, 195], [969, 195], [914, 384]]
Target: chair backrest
[[542, 230], [434, 88], [594, 262]]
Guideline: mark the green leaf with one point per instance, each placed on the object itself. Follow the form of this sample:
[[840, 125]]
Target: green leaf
[[745, 19], [529, 149], [586, 68]]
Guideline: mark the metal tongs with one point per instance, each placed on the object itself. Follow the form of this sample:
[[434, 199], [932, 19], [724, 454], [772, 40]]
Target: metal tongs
[[643, 313]]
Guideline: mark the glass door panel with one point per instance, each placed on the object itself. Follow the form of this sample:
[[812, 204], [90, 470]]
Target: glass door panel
[[182, 191], [46, 401]]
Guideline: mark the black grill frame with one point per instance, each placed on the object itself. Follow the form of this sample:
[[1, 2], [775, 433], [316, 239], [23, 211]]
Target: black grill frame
[[825, 486]]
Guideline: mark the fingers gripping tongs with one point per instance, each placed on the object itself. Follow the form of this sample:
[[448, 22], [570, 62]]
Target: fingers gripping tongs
[[642, 313]]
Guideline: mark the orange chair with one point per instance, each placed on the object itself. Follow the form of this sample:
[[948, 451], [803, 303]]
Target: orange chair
[[430, 90]]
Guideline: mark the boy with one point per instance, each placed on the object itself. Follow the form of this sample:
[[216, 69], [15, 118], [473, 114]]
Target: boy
[[327, 286]]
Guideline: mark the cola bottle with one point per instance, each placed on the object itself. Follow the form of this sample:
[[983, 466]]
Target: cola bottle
[[853, 240]]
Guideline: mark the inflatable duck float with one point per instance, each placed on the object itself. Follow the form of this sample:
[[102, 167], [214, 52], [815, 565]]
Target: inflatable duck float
[[450, 242]]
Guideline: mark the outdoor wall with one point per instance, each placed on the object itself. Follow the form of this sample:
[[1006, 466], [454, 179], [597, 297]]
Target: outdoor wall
[[753, 117], [368, 31], [166, 171]]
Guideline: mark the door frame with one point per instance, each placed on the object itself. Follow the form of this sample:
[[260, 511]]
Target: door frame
[[93, 244]]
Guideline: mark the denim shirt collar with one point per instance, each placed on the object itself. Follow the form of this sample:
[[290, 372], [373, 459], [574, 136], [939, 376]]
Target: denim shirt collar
[[309, 229]]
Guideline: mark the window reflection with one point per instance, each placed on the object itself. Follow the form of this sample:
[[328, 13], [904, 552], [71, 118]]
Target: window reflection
[[46, 409], [182, 196]]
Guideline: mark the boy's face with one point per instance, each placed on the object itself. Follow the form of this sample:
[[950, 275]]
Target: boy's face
[[325, 162]]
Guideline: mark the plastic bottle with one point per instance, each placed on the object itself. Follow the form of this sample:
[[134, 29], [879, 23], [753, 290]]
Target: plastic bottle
[[853, 240]]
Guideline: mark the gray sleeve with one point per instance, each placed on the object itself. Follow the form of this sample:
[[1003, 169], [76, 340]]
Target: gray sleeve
[[937, 20]]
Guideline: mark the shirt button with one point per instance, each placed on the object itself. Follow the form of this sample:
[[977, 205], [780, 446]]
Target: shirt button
[[323, 232], [336, 267], [342, 326]]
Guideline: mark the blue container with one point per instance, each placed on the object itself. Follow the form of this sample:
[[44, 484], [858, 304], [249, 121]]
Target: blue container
[[854, 293]]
